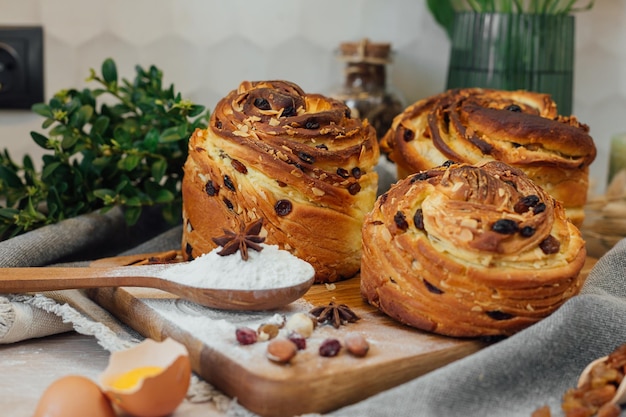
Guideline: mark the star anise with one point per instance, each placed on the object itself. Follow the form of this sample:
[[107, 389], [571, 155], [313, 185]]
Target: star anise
[[248, 237], [335, 314]]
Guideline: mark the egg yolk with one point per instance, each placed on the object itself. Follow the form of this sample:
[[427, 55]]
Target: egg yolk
[[132, 378]]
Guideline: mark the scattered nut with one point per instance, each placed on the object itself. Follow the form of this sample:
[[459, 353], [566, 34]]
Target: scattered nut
[[330, 348], [356, 344], [298, 340], [267, 331], [300, 323], [281, 350], [245, 335]]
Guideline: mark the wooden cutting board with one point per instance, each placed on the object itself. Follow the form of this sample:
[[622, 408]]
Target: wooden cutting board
[[310, 383]]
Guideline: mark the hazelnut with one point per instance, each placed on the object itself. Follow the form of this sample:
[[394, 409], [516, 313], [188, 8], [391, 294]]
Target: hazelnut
[[281, 350], [300, 323], [356, 344], [267, 331]]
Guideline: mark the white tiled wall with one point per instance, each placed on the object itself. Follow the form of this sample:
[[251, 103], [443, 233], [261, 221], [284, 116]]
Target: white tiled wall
[[206, 47]]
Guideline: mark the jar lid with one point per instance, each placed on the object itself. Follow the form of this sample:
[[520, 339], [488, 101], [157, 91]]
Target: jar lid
[[365, 51]]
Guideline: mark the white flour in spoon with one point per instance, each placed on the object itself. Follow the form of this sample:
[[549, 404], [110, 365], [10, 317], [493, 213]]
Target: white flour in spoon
[[267, 269]]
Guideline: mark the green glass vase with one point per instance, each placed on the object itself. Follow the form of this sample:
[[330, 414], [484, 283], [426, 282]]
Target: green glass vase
[[512, 51]]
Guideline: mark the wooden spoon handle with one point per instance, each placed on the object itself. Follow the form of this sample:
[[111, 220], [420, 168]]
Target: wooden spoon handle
[[16, 280]]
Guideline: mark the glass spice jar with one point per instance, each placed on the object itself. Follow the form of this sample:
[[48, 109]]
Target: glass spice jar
[[365, 88]]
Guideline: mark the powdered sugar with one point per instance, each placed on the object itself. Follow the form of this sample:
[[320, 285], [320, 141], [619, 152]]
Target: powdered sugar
[[267, 269]]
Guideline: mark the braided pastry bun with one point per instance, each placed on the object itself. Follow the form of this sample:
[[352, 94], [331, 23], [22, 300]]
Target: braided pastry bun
[[468, 251], [296, 160], [520, 128]]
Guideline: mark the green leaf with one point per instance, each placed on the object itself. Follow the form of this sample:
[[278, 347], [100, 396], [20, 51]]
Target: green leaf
[[132, 214], [10, 178], [109, 71], [196, 110], [79, 118], [170, 134], [40, 140], [100, 125], [443, 12], [158, 169], [8, 213], [133, 201], [42, 109], [164, 196], [69, 140], [130, 162], [49, 169]]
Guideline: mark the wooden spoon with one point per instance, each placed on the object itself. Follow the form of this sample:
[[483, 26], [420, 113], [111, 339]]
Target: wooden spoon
[[37, 279]]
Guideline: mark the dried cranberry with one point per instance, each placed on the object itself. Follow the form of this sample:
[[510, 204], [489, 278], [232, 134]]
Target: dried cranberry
[[297, 340], [343, 173], [400, 221], [525, 203], [514, 108], [499, 315], [431, 288], [305, 157], [281, 183], [239, 166], [550, 245], [330, 348], [283, 207], [228, 183], [245, 335], [539, 208], [211, 188], [418, 219], [356, 172], [505, 226], [262, 104], [527, 231], [354, 188], [408, 135]]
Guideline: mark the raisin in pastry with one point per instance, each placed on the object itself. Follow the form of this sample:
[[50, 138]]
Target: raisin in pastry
[[297, 160], [467, 251], [520, 128]]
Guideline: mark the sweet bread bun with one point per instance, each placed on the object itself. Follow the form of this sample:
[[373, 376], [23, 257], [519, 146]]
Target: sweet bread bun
[[467, 251], [296, 160], [520, 128]]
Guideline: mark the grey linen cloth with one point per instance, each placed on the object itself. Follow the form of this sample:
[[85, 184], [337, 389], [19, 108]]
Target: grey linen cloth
[[512, 377]]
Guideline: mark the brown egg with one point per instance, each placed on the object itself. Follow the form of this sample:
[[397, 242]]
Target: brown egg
[[148, 380], [73, 396]]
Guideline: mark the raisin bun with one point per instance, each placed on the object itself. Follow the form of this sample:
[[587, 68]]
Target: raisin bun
[[466, 251], [296, 160], [520, 128]]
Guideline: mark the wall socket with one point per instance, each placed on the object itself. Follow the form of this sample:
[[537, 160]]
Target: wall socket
[[21, 66]]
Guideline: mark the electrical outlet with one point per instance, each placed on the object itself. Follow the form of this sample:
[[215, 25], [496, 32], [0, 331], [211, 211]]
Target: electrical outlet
[[21, 66]]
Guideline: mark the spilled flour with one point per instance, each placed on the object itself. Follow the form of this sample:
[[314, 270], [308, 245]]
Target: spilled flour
[[267, 269]]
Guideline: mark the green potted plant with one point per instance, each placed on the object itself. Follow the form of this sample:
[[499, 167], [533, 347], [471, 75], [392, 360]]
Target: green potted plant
[[512, 44], [122, 143]]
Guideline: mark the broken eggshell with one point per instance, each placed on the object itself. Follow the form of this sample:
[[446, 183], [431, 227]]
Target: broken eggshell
[[150, 379]]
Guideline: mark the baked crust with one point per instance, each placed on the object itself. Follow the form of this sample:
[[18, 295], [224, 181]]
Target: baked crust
[[433, 259], [520, 128], [297, 160]]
